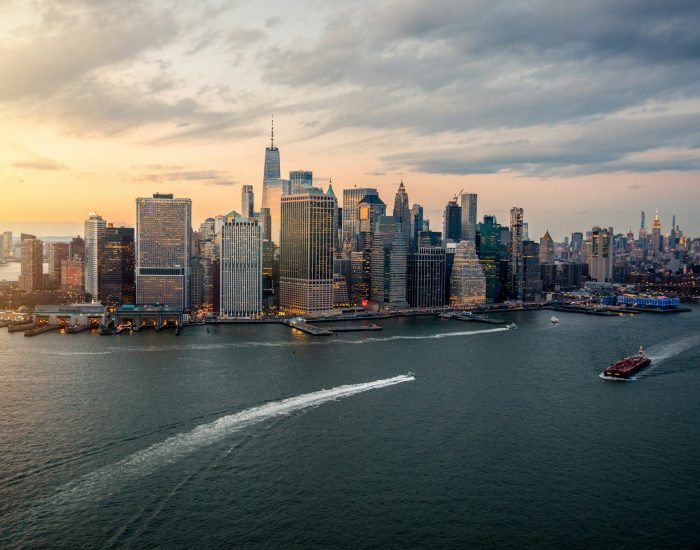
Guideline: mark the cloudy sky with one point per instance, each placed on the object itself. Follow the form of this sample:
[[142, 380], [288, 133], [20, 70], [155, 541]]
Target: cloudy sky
[[582, 113]]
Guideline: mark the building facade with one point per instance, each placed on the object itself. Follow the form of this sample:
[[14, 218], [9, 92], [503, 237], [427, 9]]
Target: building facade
[[306, 253], [468, 229], [389, 263], [241, 268], [426, 277], [163, 249], [515, 255], [117, 278], [351, 218], [32, 269], [467, 280], [94, 232], [56, 253]]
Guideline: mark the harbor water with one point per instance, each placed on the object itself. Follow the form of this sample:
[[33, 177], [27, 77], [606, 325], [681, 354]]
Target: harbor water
[[429, 433]]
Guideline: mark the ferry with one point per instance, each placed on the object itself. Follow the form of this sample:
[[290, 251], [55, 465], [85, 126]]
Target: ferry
[[626, 367]]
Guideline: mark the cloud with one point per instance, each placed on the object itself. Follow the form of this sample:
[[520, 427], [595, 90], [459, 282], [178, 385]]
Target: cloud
[[40, 164], [206, 177]]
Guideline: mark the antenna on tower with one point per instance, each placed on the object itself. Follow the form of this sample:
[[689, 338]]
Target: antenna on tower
[[272, 133]]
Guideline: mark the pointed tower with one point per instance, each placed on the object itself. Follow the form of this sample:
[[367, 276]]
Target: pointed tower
[[402, 211], [546, 249]]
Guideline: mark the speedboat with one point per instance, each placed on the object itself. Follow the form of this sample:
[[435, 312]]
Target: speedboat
[[554, 320], [511, 326]]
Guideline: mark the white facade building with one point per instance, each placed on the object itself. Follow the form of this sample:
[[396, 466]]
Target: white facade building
[[241, 268]]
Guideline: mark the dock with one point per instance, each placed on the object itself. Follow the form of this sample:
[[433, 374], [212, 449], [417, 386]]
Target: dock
[[308, 328], [20, 328], [40, 330], [75, 329]]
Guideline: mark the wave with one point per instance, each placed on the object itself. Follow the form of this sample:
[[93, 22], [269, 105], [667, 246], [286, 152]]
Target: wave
[[425, 337]]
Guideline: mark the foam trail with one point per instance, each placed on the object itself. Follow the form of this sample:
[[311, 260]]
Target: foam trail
[[427, 337], [666, 350], [144, 462]]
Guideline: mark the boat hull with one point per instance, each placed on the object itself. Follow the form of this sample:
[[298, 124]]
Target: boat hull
[[627, 367]]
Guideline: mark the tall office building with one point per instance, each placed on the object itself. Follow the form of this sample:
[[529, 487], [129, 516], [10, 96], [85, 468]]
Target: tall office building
[[77, 250], [117, 279], [546, 249], [6, 248], [656, 239], [370, 209], [272, 158], [600, 260], [488, 244], [247, 201], [32, 270], [360, 278], [94, 231], [389, 263], [241, 268], [351, 214], [453, 221], [403, 212], [467, 280], [532, 279], [163, 233], [515, 255], [469, 216], [417, 223], [426, 277], [55, 254], [306, 253], [301, 181]]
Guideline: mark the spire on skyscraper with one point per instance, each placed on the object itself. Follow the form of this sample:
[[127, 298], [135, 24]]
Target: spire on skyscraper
[[272, 133]]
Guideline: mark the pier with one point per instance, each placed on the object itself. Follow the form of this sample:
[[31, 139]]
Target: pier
[[40, 330], [472, 318], [352, 328], [307, 328]]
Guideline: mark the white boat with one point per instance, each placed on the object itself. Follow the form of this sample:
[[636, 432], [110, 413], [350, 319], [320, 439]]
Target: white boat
[[554, 320], [511, 326]]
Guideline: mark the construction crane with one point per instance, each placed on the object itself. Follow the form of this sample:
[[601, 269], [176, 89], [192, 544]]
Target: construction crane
[[458, 195]]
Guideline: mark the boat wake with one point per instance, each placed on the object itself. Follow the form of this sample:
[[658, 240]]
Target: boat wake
[[426, 337], [142, 463]]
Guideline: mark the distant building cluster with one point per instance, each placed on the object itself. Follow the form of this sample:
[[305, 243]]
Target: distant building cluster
[[304, 254]]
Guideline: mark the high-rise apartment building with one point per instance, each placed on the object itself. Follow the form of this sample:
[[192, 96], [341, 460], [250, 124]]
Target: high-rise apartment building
[[532, 279], [32, 270], [56, 253], [515, 255], [467, 280], [351, 214], [73, 274], [163, 233], [117, 279], [247, 201], [306, 253], [469, 216], [389, 263], [241, 268], [94, 231], [426, 277]]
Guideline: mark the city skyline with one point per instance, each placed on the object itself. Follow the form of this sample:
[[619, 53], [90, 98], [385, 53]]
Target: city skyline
[[179, 101]]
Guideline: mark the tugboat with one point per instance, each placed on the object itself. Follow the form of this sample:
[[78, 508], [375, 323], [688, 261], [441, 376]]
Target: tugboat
[[628, 366]]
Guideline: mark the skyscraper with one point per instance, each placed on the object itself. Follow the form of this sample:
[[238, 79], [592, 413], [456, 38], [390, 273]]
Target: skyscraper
[[416, 225], [600, 262], [300, 181], [77, 250], [94, 231], [351, 214], [306, 253], [546, 249], [163, 233], [389, 263], [467, 281], [274, 188], [247, 201], [32, 271], [241, 267], [469, 216], [55, 254], [403, 212], [370, 209], [453, 221], [515, 255], [6, 249], [426, 277], [117, 279], [489, 251], [532, 279], [656, 239]]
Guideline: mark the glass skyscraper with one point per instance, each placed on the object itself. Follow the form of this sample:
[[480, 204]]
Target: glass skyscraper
[[117, 271], [489, 251], [94, 232]]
